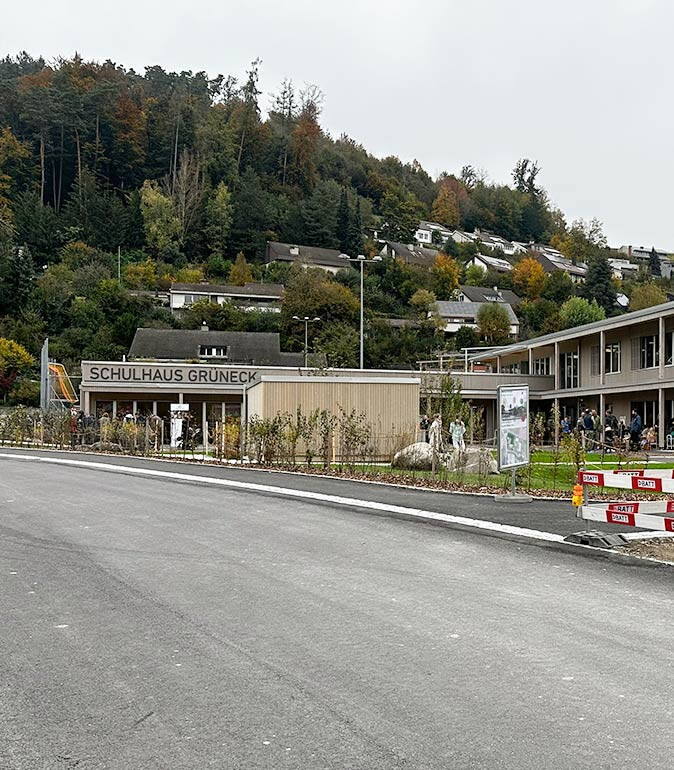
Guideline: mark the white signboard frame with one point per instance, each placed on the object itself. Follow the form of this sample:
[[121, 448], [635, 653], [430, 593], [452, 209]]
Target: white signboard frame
[[513, 426]]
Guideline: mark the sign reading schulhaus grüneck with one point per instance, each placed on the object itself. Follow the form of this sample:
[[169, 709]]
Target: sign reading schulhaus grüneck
[[149, 374]]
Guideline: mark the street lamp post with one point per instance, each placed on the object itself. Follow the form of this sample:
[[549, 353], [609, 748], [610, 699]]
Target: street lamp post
[[361, 260], [306, 321]]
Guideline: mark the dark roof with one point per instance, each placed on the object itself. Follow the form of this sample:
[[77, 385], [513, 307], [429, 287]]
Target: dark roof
[[260, 348], [469, 310], [247, 290], [485, 294], [565, 265], [415, 255], [311, 254]]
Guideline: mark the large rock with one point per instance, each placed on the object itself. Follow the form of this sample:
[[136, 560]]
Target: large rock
[[419, 457], [472, 460], [415, 457]]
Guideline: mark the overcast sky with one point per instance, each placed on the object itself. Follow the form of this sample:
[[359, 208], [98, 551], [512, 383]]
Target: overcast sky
[[582, 86]]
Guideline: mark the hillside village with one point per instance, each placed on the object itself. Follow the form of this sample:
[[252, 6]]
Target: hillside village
[[178, 201]]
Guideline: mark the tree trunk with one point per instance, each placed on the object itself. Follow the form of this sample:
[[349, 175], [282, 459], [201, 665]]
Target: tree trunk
[[98, 136], [60, 187], [42, 171], [79, 164], [238, 160], [175, 157]]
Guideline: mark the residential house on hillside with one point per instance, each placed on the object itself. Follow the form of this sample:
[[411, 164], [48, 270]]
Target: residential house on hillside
[[551, 262], [491, 263], [485, 294], [461, 236], [307, 256], [250, 296], [623, 268], [454, 315], [426, 230], [409, 254], [491, 241]]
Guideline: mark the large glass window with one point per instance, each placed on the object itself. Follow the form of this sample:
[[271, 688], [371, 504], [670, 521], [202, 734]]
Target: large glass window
[[612, 358], [542, 365], [649, 353], [569, 370]]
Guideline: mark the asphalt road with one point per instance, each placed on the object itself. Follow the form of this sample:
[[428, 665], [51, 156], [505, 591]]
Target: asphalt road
[[556, 516], [148, 624]]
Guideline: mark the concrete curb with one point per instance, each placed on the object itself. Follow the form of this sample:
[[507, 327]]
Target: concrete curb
[[279, 471], [474, 526]]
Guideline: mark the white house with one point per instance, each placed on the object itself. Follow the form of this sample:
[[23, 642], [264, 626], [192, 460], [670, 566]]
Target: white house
[[251, 296], [454, 315], [461, 236], [424, 233], [491, 263]]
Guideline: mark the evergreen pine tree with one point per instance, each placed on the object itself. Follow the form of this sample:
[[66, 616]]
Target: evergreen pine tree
[[654, 263], [343, 222], [599, 283], [20, 279]]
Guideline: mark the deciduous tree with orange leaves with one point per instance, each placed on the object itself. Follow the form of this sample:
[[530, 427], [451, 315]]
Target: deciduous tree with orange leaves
[[529, 277], [445, 276]]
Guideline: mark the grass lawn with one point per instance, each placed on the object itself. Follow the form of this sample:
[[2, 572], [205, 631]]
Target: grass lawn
[[541, 474]]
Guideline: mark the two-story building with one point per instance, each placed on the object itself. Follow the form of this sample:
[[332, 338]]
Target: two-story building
[[249, 297], [625, 363]]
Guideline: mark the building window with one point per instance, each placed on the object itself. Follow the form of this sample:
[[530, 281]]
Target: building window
[[649, 353], [213, 351], [669, 348], [542, 365], [569, 370], [612, 358]]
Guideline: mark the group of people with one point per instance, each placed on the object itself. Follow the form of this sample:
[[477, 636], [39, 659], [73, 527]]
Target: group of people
[[611, 432], [432, 432]]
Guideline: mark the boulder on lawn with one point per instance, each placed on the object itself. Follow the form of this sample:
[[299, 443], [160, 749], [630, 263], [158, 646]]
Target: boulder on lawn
[[472, 460], [415, 457], [104, 446]]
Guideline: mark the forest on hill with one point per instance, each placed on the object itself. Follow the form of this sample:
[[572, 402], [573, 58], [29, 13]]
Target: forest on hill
[[175, 174]]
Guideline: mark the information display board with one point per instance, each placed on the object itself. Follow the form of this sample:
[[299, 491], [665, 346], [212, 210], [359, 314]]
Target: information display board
[[513, 426]]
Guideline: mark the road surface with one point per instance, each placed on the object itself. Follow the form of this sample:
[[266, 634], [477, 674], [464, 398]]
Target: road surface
[[151, 624]]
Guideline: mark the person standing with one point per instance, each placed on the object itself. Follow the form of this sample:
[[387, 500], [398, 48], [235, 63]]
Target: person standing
[[435, 433], [457, 431], [636, 426], [424, 425]]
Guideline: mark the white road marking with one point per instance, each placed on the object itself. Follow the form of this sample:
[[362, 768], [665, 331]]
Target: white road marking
[[410, 513]]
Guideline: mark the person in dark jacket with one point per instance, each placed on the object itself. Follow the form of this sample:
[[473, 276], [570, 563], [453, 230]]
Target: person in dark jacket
[[636, 427]]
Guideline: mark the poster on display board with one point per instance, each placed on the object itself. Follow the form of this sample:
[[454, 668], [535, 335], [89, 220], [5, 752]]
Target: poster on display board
[[513, 426]]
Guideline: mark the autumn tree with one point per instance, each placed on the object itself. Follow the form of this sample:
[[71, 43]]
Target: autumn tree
[[14, 361], [445, 208], [162, 227], [240, 273], [423, 302], [529, 277], [445, 274], [646, 295]]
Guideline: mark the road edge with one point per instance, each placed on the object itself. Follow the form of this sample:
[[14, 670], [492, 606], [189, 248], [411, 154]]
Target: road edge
[[475, 526]]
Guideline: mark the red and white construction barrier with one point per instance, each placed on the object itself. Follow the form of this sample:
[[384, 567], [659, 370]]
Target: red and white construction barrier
[[628, 480], [637, 513], [629, 519]]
